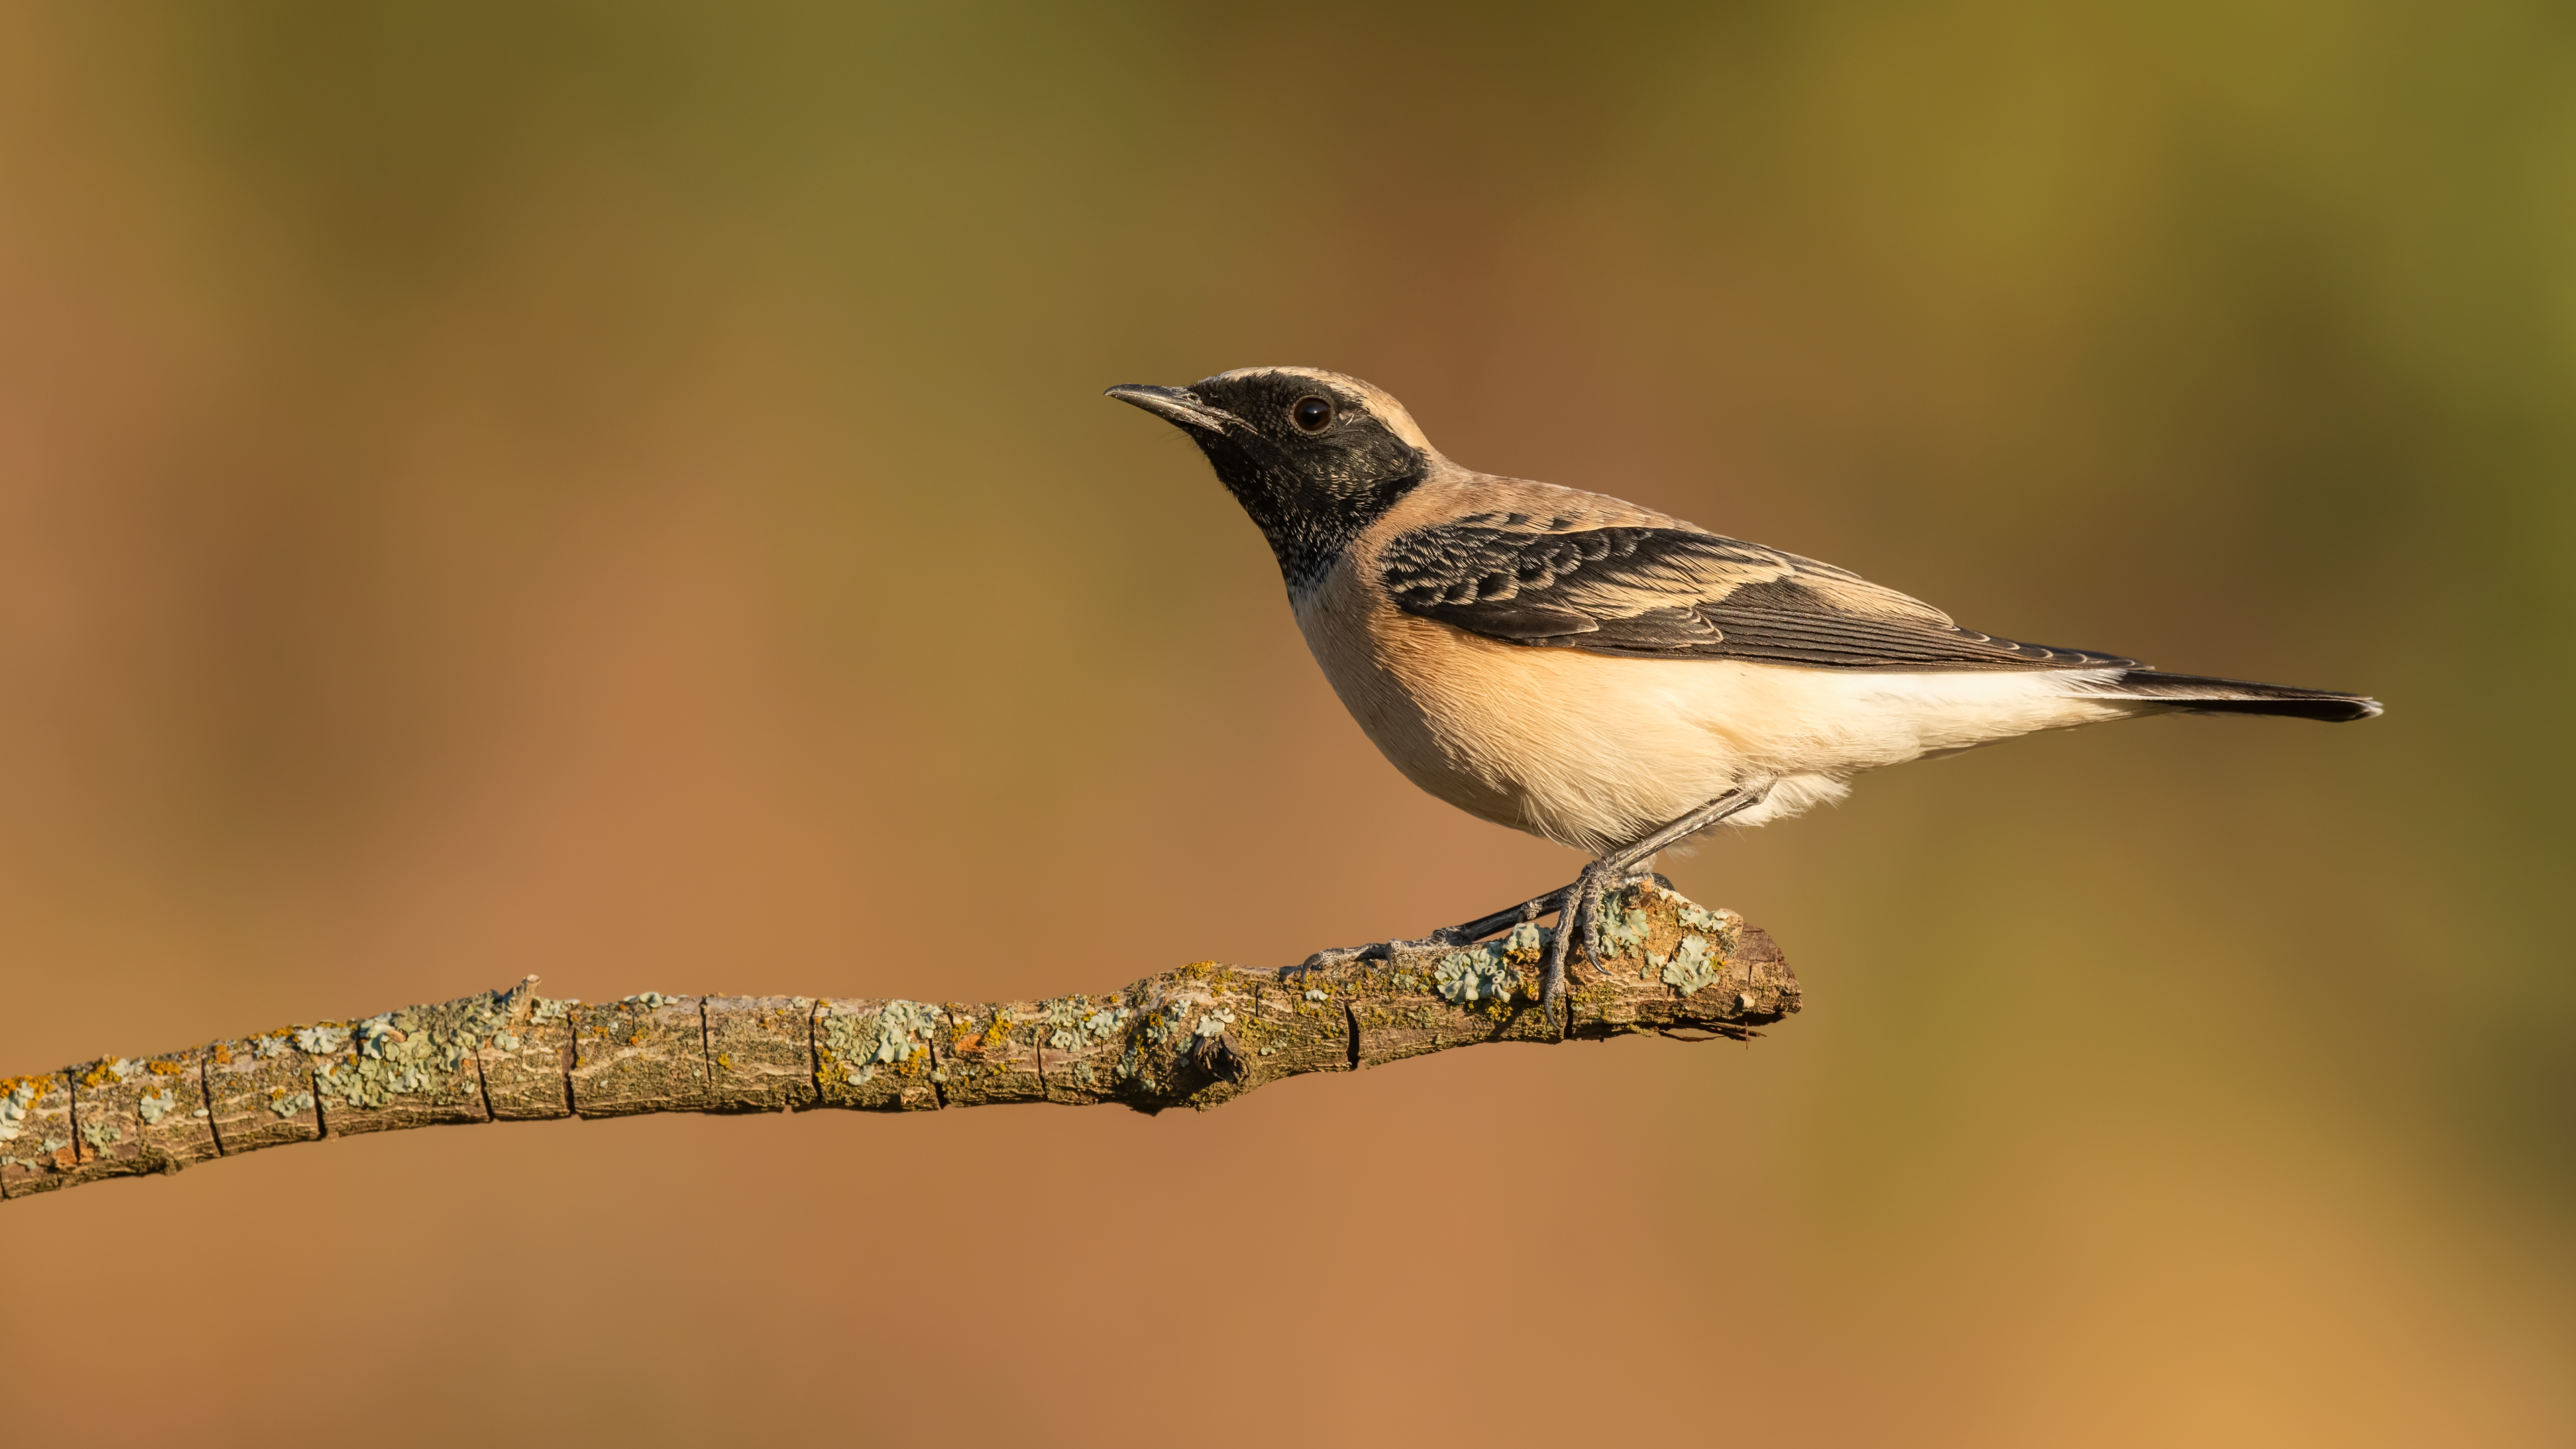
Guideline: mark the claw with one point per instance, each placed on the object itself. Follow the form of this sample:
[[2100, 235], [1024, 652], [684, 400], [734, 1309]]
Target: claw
[[1577, 907]]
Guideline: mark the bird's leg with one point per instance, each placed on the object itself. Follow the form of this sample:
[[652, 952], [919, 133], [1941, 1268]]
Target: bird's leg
[[1575, 905], [1464, 934], [1579, 904]]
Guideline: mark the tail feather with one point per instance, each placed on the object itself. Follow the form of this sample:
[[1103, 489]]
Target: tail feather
[[2198, 694]]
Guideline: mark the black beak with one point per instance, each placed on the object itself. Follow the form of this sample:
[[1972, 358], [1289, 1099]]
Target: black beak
[[1174, 405]]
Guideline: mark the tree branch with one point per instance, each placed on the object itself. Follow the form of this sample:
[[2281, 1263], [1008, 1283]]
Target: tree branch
[[1195, 1037]]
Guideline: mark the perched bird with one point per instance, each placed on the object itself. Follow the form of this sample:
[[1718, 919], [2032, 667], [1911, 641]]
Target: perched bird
[[1605, 676]]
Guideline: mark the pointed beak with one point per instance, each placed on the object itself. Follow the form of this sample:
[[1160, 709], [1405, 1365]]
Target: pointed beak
[[1178, 406]]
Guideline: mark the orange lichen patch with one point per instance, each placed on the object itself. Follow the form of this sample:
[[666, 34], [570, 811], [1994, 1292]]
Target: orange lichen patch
[[969, 1038]]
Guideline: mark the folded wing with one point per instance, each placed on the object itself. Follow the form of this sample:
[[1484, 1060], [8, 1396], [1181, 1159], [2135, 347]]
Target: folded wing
[[1677, 593]]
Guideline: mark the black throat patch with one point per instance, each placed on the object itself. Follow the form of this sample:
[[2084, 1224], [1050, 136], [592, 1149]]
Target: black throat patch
[[1311, 495]]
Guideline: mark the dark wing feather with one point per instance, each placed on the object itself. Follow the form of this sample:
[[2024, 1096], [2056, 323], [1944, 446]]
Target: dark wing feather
[[1665, 593]]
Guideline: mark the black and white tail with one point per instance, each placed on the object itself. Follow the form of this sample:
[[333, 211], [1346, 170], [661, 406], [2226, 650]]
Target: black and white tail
[[2197, 694]]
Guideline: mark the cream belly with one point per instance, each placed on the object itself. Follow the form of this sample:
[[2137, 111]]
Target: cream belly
[[1594, 751]]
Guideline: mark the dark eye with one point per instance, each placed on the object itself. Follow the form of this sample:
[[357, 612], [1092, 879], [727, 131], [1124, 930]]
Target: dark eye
[[1312, 414]]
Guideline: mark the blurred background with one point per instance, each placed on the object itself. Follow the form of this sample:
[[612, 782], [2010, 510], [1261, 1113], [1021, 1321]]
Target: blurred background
[[621, 491]]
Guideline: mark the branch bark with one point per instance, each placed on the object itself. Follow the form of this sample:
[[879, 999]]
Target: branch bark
[[1194, 1037]]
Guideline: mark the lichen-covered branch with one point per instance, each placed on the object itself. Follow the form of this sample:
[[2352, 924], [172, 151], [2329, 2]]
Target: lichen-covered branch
[[1194, 1037]]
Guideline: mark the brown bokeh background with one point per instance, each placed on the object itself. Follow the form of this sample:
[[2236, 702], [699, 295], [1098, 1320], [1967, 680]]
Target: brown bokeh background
[[621, 492]]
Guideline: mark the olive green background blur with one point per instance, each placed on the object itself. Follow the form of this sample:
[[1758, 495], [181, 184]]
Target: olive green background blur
[[621, 491]]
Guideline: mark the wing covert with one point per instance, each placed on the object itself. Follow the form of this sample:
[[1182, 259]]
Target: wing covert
[[1678, 593]]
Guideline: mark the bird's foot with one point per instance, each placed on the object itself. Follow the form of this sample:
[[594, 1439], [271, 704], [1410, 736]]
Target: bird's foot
[[1578, 908], [1383, 950], [1579, 905], [1587, 890]]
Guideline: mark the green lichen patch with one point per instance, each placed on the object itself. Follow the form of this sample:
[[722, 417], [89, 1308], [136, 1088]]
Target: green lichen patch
[[877, 1056], [986, 1053], [1430, 1000], [414, 1067], [38, 1147], [1693, 964], [1674, 965], [135, 1116], [527, 1058], [1623, 926], [1495, 972], [646, 1053], [760, 1053], [259, 1089], [1080, 1041]]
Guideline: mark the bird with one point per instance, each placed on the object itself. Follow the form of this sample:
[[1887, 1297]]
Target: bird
[[1603, 675]]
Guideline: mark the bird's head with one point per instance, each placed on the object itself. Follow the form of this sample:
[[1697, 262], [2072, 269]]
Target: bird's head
[[1313, 456]]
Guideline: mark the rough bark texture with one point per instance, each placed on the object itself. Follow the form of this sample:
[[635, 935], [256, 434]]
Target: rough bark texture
[[1195, 1037]]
